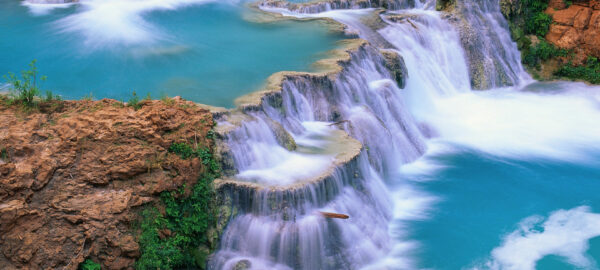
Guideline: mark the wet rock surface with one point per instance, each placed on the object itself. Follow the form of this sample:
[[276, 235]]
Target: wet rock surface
[[74, 174], [480, 25]]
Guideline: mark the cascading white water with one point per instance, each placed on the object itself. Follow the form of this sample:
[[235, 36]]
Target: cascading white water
[[282, 228], [286, 231], [433, 55], [439, 95], [492, 55]]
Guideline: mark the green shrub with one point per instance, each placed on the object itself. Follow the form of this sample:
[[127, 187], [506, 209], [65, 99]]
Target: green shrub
[[539, 24], [51, 97], [89, 265], [25, 89], [568, 3], [183, 150], [533, 56], [134, 101], [530, 17], [188, 219], [88, 97], [589, 72], [4, 154], [167, 100]]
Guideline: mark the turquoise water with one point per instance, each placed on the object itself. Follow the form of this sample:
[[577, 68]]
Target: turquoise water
[[483, 198], [513, 184], [206, 52]]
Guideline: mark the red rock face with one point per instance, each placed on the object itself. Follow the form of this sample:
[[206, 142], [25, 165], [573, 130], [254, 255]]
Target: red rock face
[[576, 27], [72, 180], [557, 4]]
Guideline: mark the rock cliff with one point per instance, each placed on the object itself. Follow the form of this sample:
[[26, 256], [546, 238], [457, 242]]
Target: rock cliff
[[74, 175], [576, 27]]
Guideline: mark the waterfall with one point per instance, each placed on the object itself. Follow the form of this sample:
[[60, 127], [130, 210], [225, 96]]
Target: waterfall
[[433, 55], [279, 225], [493, 57], [288, 156]]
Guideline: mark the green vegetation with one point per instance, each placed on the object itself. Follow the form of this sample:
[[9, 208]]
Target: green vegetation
[[134, 101], [532, 56], [170, 238], [536, 21], [167, 100], [183, 150], [25, 90], [89, 265], [186, 151], [88, 97], [539, 24], [51, 97], [3, 154], [589, 72], [527, 18]]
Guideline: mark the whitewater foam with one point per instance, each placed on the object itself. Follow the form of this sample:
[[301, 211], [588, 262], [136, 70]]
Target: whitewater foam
[[521, 124], [519, 121], [267, 162], [565, 233]]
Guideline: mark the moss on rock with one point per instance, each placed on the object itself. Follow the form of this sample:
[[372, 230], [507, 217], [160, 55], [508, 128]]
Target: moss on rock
[[395, 64]]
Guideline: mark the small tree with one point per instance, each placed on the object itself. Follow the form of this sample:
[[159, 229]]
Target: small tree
[[25, 89]]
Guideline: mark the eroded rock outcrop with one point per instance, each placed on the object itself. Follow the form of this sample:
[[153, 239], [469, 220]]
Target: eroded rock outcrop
[[576, 27], [74, 174]]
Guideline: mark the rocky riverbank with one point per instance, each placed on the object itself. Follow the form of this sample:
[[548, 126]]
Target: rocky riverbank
[[558, 39], [74, 176], [576, 27]]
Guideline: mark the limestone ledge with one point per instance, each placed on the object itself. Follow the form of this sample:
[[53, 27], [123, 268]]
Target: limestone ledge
[[230, 120], [326, 5], [346, 148], [287, 200], [329, 67]]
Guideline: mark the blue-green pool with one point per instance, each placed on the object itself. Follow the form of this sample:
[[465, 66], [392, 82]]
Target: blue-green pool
[[206, 52], [512, 184], [484, 199]]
